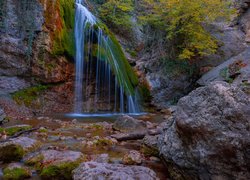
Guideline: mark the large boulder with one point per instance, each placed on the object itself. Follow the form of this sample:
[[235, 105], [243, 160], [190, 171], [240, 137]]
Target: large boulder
[[94, 170], [127, 124], [209, 136]]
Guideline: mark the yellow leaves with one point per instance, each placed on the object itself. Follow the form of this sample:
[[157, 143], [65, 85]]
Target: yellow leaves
[[184, 22]]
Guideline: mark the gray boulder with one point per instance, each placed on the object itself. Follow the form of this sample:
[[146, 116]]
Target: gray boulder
[[127, 124], [2, 116], [209, 136], [94, 170]]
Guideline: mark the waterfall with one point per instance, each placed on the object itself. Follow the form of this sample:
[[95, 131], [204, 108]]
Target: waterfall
[[100, 81]]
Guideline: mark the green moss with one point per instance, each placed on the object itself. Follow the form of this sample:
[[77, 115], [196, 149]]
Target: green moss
[[1, 130], [224, 73], [27, 96], [43, 130], [147, 151], [15, 174], [60, 171], [10, 131], [103, 142], [35, 161], [124, 73], [11, 152], [64, 37], [97, 126]]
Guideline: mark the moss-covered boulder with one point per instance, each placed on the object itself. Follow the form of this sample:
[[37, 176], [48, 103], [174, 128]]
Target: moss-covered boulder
[[53, 164], [16, 148], [16, 171], [11, 130]]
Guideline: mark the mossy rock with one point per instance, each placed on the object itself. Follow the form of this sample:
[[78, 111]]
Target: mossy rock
[[15, 149], [59, 171], [103, 142], [53, 164], [11, 152], [16, 172], [29, 95], [10, 131]]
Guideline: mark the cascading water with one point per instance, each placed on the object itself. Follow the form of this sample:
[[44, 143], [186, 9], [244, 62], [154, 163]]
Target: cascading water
[[100, 78]]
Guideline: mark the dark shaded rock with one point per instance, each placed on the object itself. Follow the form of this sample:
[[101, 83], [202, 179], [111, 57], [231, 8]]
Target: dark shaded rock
[[2, 116], [209, 136], [128, 124], [93, 170], [149, 147]]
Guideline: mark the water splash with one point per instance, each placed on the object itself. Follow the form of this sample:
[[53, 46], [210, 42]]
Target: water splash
[[96, 61]]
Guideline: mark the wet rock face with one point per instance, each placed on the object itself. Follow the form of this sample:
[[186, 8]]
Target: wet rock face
[[209, 136], [2, 116], [94, 170], [20, 23]]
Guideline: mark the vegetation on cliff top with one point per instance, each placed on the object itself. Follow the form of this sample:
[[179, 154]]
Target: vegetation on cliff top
[[117, 14], [182, 22]]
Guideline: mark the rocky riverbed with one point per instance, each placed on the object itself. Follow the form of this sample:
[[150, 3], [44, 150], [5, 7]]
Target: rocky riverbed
[[52, 148]]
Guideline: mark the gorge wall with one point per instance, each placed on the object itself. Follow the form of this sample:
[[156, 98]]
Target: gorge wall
[[31, 55]]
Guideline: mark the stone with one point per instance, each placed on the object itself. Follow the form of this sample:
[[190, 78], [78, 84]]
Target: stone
[[102, 158], [149, 147], [236, 70], [2, 116], [16, 171], [132, 158], [12, 130], [94, 170], [209, 137], [16, 148], [12, 84], [245, 24], [55, 164], [128, 124]]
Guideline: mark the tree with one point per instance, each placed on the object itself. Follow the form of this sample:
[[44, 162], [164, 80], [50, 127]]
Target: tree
[[184, 22], [117, 14]]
